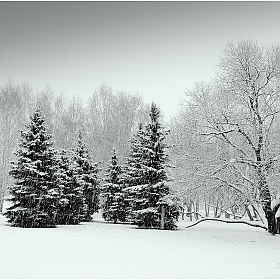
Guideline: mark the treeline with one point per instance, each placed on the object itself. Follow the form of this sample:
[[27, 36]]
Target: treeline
[[107, 121]]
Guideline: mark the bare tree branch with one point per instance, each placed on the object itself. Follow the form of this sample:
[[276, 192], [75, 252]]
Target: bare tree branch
[[228, 222], [243, 176], [218, 133], [229, 184]]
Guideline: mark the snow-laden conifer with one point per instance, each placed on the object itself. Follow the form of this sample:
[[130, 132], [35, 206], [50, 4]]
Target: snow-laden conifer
[[85, 175], [114, 203], [34, 193], [146, 176], [70, 208]]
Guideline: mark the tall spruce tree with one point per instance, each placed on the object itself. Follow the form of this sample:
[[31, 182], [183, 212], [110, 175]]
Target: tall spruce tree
[[34, 194], [85, 175], [147, 178], [114, 204], [70, 208]]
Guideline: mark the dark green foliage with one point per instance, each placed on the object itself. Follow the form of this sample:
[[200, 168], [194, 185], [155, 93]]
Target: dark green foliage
[[171, 211], [114, 205], [85, 175], [70, 207], [146, 176], [34, 194]]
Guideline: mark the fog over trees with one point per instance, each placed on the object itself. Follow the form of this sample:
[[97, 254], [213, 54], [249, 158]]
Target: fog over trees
[[223, 142]]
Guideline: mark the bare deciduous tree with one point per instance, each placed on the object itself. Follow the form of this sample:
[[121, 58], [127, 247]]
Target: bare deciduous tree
[[239, 111]]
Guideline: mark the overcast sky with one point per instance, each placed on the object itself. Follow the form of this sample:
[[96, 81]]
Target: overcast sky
[[158, 49]]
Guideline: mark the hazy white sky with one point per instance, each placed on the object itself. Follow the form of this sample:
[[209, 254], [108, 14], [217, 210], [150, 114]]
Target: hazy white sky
[[158, 49]]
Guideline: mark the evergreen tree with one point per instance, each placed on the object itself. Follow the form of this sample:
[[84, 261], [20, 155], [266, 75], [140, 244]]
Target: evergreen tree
[[85, 175], [147, 178], [34, 194], [114, 204], [70, 208]]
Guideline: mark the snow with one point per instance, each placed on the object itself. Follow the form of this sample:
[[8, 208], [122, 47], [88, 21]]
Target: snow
[[104, 250]]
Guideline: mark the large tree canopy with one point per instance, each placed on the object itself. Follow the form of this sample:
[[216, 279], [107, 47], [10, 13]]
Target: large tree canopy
[[237, 115]]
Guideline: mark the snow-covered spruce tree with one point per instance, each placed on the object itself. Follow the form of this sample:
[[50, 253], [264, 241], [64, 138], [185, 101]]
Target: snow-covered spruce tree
[[148, 192], [34, 193], [114, 204], [85, 175], [70, 208]]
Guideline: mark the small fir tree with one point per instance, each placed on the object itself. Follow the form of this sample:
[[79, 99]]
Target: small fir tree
[[34, 194], [147, 178], [85, 175], [70, 207], [114, 204]]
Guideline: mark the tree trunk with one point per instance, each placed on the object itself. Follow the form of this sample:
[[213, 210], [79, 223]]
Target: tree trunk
[[265, 197], [217, 212], [206, 207], [278, 225], [183, 212], [197, 209], [1, 203], [162, 220], [190, 210], [266, 204], [249, 213], [271, 220]]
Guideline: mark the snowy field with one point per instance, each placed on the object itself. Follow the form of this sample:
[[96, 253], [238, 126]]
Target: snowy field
[[103, 250]]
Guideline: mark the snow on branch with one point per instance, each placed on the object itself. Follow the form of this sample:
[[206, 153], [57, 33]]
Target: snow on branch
[[229, 184], [220, 168], [231, 163], [218, 133], [225, 138], [247, 138], [228, 222], [243, 176], [246, 161]]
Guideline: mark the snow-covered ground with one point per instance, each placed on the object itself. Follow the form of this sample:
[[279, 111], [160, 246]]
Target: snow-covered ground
[[103, 250]]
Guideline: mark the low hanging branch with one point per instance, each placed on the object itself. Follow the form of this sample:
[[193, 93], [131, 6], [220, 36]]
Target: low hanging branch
[[225, 221]]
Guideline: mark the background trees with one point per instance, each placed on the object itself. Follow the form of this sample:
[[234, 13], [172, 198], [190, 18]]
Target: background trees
[[15, 101], [237, 114], [112, 119], [108, 120]]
